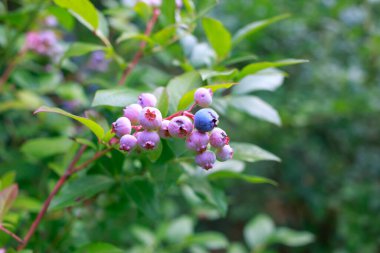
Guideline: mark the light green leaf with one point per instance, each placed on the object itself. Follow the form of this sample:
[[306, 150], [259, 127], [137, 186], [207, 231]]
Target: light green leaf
[[75, 191], [27, 203], [179, 85], [7, 196], [255, 27], [179, 229], [256, 107], [234, 175], [251, 153], [79, 48], [164, 35], [92, 125], [292, 238], [7, 179], [167, 16], [45, 147], [240, 58], [188, 98], [136, 36], [218, 36], [210, 240], [143, 234], [99, 247], [63, 16], [255, 67], [209, 73], [268, 79], [115, 97], [258, 231], [83, 10], [163, 100]]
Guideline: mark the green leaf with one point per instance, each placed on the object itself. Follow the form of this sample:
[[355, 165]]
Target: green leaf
[[7, 179], [63, 16], [255, 27], [83, 10], [163, 100], [255, 67], [258, 231], [154, 154], [99, 247], [209, 73], [79, 48], [234, 175], [256, 107], [27, 203], [164, 35], [75, 191], [218, 36], [7, 196], [115, 97], [179, 229], [251, 153], [142, 192], [239, 59], [179, 85], [268, 79], [167, 16], [143, 234], [134, 36], [188, 98], [92, 125], [45, 147], [292, 238], [210, 240]]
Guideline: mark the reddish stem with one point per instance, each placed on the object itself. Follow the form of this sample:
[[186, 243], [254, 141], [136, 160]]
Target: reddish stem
[[14, 236], [139, 54], [8, 71], [192, 107]]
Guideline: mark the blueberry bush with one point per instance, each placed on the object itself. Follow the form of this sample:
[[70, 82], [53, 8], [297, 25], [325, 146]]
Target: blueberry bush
[[114, 128]]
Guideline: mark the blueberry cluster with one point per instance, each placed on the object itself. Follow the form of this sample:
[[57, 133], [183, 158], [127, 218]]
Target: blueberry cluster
[[200, 129]]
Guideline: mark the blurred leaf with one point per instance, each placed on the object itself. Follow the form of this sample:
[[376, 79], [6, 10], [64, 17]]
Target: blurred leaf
[[167, 9], [255, 27], [7, 179], [237, 248], [44, 147], [234, 175], [115, 97], [27, 203], [292, 238], [154, 154], [239, 59], [205, 6], [142, 192], [83, 10], [258, 231], [179, 229], [136, 36], [251, 153], [80, 48], [63, 16], [99, 247], [7, 196], [256, 107], [179, 85], [163, 100], [209, 73], [210, 240], [92, 125], [269, 79], [82, 188], [255, 67], [164, 35], [143, 234], [229, 165], [188, 98], [218, 36]]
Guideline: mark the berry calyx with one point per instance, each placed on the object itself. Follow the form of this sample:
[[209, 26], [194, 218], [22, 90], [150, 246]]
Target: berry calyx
[[150, 118]]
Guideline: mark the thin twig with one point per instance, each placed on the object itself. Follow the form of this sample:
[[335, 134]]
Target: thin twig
[[8, 71], [14, 236], [139, 54], [89, 161]]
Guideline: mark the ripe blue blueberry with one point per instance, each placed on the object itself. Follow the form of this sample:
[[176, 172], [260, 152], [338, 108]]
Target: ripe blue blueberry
[[148, 140], [203, 97], [127, 142], [121, 126], [225, 153], [206, 159], [180, 126], [132, 112], [147, 99], [150, 118], [218, 138], [205, 119], [197, 141]]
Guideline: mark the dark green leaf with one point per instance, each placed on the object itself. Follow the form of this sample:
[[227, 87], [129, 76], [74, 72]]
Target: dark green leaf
[[218, 36], [75, 191], [99, 247], [92, 125], [251, 153], [63, 16], [115, 97]]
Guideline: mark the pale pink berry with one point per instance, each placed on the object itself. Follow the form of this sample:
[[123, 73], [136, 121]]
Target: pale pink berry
[[132, 112], [197, 141], [164, 132], [225, 153], [147, 100], [148, 140], [218, 138], [127, 142], [203, 97], [121, 126], [206, 159], [150, 118], [180, 126]]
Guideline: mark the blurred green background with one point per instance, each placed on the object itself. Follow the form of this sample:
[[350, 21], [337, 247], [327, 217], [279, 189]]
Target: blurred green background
[[329, 142]]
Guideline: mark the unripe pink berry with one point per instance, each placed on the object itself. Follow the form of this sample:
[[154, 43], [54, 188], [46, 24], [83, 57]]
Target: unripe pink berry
[[121, 126], [127, 142], [197, 141], [218, 138], [225, 153], [203, 97], [164, 132], [147, 99], [180, 126], [148, 140], [150, 118], [132, 112], [206, 159]]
